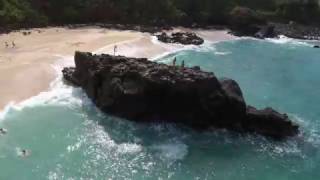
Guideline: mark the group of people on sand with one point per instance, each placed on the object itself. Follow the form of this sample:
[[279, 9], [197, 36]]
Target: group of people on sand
[[13, 44], [23, 152], [175, 61]]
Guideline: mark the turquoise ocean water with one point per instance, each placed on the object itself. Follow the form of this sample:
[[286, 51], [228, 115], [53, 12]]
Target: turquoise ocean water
[[70, 139]]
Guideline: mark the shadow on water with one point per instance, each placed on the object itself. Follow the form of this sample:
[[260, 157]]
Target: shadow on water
[[147, 134]]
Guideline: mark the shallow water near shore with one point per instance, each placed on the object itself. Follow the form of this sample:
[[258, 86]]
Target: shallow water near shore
[[70, 139]]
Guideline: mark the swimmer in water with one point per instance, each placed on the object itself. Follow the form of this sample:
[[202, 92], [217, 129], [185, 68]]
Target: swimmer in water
[[25, 153], [3, 131]]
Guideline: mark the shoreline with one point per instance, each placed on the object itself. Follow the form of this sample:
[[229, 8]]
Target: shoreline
[[27, 70], [291, 29]]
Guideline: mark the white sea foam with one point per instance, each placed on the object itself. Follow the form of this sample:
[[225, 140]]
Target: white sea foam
[[172, 151], [98, 137], [222, 53], [313, 134], [129, 148], [285, 40], [6, 110]]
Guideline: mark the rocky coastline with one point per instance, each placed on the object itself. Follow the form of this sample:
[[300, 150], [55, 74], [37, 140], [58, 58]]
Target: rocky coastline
[[144, 91], [274, 30], [251, 29], [261, 29], [248, 22]]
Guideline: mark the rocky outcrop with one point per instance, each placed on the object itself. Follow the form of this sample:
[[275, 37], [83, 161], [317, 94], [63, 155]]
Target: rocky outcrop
[[145, 91], [297, 31], [262, 122], [185, 38], [271, 30], [266, 32], [244, 21]]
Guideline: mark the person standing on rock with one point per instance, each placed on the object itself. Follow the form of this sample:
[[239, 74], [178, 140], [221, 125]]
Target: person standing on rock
[[115, 48], [182, 64], [174, 61]]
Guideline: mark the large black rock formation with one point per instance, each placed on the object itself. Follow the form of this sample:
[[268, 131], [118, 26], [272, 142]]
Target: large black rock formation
[[145, 91]]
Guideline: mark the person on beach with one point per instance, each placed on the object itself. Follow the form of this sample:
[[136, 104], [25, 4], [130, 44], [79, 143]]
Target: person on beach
[[13, 44], [6, 44], [174, 61], [3, 131], [115, 48]]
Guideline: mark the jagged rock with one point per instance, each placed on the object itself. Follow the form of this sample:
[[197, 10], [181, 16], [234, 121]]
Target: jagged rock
[[181, 38], [232, 88], [145, 91], [297, 31], [266, 32], [271, 30], [197, 68], [244, 21], [68, 75], [269, 122]]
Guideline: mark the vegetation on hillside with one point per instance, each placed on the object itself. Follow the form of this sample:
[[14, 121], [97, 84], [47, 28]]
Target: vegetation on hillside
[[18, 13]]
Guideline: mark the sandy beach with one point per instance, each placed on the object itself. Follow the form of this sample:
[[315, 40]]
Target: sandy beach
[[26, 69]]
